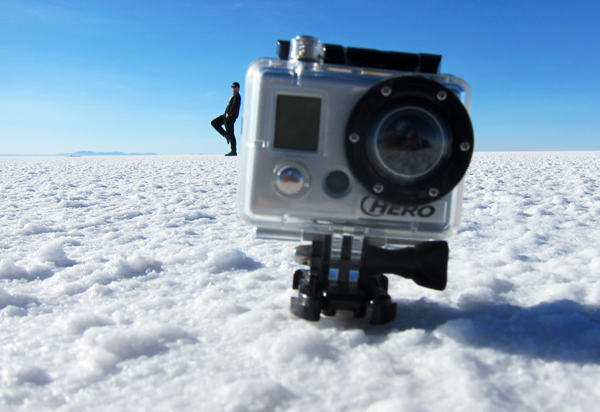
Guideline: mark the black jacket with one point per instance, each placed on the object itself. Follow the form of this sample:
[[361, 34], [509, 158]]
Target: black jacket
[[233, 107]]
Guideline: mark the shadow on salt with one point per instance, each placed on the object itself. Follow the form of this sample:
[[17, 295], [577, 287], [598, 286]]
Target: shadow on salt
[[564, 330]]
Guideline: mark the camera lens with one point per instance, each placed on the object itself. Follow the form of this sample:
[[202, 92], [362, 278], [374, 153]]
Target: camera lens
[[409, 140], [408, 143]]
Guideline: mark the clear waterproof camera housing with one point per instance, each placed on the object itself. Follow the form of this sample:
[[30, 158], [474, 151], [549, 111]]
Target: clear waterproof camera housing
[[374, 142], [355, 150]]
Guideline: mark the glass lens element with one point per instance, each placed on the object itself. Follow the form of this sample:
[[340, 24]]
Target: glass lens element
[[408, 143]]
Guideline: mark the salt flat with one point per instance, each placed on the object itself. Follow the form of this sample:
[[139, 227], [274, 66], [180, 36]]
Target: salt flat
[[129, 283]]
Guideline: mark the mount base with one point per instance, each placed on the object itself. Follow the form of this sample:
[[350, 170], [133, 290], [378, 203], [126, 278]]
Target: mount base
[[346, 273]]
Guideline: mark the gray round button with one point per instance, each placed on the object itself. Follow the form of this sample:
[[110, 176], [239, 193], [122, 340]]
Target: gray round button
[[290, 181]]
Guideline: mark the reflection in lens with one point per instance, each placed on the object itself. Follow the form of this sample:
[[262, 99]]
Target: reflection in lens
[[408, 143]]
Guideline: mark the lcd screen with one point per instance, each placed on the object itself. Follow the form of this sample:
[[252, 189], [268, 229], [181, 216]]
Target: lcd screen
[[297, 123]]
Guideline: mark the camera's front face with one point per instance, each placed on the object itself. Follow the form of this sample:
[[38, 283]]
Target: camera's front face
[[329, 147]]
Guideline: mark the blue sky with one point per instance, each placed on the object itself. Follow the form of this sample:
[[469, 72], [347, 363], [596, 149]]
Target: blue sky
[[148, 76]]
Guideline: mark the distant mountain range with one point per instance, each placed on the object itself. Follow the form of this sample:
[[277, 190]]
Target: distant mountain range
[[86, 153]]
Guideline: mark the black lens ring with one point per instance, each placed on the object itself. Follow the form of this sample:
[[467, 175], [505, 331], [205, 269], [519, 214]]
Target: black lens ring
[[429, 95]]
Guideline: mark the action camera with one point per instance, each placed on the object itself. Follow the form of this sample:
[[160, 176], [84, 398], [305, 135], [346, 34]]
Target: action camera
[[362, 152]]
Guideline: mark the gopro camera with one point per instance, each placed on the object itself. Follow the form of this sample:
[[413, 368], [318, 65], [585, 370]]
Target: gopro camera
[[358, 151]]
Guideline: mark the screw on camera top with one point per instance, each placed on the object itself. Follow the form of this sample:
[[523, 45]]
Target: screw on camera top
[[306, 48]]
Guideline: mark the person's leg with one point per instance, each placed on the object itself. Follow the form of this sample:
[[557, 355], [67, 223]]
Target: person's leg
[[229, 127], [218, 123]]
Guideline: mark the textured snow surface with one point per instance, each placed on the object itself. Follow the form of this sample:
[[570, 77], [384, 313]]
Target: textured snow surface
[[130, 284]]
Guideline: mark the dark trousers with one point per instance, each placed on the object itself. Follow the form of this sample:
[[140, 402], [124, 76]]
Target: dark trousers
[[218, 123]]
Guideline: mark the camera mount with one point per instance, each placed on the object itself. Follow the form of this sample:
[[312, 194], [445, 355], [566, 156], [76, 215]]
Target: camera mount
[[347, 273]]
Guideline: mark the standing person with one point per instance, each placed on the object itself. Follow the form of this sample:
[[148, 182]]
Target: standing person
[[228, 119]]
